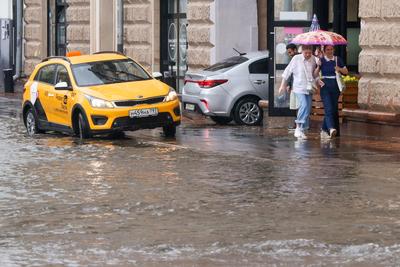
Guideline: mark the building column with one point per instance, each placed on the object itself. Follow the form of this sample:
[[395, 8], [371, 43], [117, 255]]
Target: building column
[[201, 33], [103, 25], [139, 31], [379, 87], [78, 21], [35, 33]]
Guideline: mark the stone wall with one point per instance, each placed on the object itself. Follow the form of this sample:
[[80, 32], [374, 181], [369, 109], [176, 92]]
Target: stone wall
[[138, 31], [35, 41], [200, 29], [78, 25], [35, 30], [379, 87]]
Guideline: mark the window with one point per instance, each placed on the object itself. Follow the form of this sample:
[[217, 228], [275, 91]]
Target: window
[[62, 75], [227, 63], [259, 67], [46, 74]]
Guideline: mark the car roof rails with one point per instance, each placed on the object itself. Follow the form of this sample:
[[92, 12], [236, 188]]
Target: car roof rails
[[109, 52], [56, 57]]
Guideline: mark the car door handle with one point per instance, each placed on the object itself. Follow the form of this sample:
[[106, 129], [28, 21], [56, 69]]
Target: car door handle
[[259, 82]]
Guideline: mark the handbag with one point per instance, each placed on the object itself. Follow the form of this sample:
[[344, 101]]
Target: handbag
[[312, 86], [339, 79]]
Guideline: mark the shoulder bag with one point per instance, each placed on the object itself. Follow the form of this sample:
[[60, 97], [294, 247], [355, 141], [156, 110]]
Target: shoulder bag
[[339, 79]]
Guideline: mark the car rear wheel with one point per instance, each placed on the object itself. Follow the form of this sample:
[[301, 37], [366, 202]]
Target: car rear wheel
[[31, 123], [83, 127], [247, 112], [221, 120], [169, 131]]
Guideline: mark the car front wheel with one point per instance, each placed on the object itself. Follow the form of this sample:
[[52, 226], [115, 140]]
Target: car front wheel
[[83, 127], [169, 131], [247, 112]]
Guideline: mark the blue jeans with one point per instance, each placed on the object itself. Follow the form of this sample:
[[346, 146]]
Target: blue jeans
[[303, 113], [330, 97]]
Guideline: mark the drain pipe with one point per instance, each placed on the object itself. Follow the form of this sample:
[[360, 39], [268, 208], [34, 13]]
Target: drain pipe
[[19, 22]]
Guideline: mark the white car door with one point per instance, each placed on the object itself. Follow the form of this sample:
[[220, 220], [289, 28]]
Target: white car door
[[258, 76]]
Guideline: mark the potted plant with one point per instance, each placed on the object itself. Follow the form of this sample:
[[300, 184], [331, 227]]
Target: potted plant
[[350, 95]]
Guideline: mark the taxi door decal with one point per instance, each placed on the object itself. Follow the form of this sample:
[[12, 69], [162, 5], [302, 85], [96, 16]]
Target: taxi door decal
[[34, 92]]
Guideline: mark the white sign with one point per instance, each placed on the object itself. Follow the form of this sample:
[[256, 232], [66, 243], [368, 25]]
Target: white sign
[[293, 15], [34, 92]]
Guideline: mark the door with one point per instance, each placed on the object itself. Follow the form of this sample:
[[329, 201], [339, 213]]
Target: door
[[56, 27], [62, 98], [174, 42], [287, 18], [45, 89], [61, 32], [258, 75]]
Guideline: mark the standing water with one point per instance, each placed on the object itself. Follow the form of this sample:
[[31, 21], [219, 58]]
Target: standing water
[[214, 197]]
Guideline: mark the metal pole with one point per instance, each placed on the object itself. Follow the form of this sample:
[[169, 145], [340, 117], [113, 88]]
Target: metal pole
[[18, 61], [178, 63]]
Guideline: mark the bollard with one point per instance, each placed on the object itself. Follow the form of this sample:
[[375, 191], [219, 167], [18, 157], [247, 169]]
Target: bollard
[[8, 81]]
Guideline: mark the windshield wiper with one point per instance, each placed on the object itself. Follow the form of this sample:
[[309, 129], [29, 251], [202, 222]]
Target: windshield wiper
[[131, 74], [110, 78]]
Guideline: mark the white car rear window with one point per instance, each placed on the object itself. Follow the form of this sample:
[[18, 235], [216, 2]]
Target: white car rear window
[[227, 63]]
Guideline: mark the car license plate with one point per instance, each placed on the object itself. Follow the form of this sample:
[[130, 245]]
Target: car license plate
[[190, 107], [142, 113]]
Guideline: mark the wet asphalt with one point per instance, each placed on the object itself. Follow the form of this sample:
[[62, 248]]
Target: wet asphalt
[[212, 196]]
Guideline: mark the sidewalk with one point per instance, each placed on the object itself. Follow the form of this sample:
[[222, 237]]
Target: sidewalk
[[18, 89]]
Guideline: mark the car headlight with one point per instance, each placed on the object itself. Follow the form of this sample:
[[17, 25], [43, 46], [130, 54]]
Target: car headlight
[[172, 95], [99, 103]]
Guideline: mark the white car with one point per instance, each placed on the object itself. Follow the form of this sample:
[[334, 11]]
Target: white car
[[229, 90]]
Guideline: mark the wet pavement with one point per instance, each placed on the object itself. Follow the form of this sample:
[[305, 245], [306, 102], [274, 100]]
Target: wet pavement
[[213, 196]]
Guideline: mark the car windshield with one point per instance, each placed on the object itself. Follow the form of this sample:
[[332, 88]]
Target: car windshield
[[106, 72], [227, 63]]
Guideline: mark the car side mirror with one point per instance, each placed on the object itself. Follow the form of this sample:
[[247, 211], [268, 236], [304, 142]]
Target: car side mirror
[[157, 75], [62, 86]]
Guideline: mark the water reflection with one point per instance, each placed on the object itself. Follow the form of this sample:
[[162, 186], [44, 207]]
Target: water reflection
[[219, 196]]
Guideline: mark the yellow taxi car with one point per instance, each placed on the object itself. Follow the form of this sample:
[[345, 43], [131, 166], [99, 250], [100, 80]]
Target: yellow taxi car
[[102, 93]]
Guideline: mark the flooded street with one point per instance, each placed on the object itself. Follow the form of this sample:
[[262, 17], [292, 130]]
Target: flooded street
[[214, 196]]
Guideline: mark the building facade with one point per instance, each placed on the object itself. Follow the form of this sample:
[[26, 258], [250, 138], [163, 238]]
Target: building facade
[[173, 36], [170, 36]]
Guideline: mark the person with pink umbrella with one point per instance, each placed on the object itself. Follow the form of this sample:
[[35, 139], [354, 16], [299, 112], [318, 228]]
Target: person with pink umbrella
[[331, 68], [329, 65], [302, 67]]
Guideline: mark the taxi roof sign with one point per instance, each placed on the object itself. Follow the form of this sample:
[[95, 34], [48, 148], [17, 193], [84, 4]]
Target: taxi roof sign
[[74, 53]]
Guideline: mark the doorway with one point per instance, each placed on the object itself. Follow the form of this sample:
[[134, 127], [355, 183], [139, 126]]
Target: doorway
[[288, 18], [173, 46], [56, 28]]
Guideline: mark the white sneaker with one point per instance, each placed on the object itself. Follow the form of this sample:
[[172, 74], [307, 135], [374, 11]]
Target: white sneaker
[[302, 135], [332, 133], [325, 135], [297, 132]]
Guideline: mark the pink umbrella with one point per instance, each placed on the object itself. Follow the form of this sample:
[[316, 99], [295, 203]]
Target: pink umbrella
[[319, 38]]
